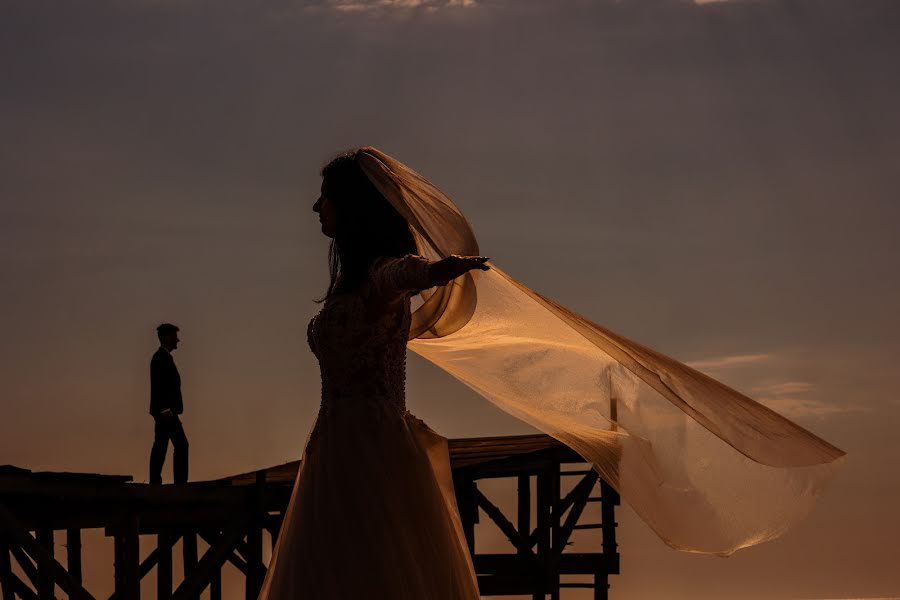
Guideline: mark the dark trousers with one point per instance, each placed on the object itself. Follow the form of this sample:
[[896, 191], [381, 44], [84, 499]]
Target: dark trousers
[[169, 430]]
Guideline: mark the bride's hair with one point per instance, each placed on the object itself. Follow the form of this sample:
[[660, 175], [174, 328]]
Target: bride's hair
[[367, 228]]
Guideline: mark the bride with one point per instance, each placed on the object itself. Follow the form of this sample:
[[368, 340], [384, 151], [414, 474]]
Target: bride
[[374, 482], [708, 469]]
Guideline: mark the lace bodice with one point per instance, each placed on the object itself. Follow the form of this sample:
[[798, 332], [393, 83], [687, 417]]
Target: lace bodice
[[360, 339]]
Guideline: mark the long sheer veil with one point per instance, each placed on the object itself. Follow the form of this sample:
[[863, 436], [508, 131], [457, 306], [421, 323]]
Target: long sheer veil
[[707, 468]]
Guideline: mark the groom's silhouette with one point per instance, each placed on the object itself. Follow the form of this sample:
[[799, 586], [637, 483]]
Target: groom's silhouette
[[165, 406]]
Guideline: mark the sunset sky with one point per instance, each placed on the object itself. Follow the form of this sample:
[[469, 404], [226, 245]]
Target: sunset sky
[[717, 180]]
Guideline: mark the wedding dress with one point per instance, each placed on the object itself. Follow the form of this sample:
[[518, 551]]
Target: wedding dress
[[372, 514]]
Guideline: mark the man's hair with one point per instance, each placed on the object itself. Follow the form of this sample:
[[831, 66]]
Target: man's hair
[[165, 329]]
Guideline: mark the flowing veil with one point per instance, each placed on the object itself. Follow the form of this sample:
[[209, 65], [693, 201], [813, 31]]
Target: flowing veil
[[707, 468]]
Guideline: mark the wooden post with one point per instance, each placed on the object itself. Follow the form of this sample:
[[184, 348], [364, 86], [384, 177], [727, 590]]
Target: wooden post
[[544, 501], [45, 586], [132, 558], [6, 583], [524, 508], [215, 586], [464, 488], [127, 559], [73, 553], [609, 499], [254, 560], [555, 496], [601, 586], [189, 551], [118, 565], [164, 566], [255, 575]]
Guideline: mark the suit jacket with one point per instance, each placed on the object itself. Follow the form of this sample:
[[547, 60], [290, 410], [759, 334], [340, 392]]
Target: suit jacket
[[165, 384]]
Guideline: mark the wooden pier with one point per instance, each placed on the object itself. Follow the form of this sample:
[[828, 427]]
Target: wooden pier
[[237, 516]]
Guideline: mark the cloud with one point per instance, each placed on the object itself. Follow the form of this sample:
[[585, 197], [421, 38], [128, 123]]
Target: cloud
[[367, 6], [787, 398], [782, 388], [720, 362], [806, 407]]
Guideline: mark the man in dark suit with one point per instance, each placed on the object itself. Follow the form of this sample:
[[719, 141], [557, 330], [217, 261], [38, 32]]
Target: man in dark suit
[[165, 406]]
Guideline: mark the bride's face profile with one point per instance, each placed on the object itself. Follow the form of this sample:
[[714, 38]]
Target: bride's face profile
[[327, 215]]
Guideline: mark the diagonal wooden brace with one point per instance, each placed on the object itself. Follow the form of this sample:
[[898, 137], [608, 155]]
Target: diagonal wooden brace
[[151, 561], [497, 516], [17, 587], [213, 560], [234, 557], [25, 563], [11, 529], [580, 494]]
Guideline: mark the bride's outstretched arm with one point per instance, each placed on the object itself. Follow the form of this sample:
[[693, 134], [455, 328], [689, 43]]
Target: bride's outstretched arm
[[444, 271], [396, 276]]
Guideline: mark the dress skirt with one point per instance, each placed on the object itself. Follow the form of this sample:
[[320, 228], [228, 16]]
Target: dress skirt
[[372, 516]]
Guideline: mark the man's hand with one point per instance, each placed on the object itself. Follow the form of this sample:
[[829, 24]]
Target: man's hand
[[167, 415], [446, 270]]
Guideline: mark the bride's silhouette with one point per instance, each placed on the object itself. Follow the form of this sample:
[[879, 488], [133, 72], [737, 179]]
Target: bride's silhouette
[[374, 483]]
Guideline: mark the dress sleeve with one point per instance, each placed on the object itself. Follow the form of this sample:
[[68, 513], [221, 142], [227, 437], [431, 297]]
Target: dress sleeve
[[393, 277]]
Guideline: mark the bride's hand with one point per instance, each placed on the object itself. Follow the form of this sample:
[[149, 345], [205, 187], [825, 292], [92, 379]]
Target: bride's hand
[[444, 271]]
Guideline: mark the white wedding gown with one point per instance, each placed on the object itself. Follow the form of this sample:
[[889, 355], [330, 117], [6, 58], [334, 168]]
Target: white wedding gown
[[372, 514]]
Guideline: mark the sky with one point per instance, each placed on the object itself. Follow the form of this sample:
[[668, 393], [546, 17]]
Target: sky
[[717, 180]]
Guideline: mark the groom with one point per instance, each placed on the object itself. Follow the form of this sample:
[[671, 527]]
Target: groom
[[165, 406]]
